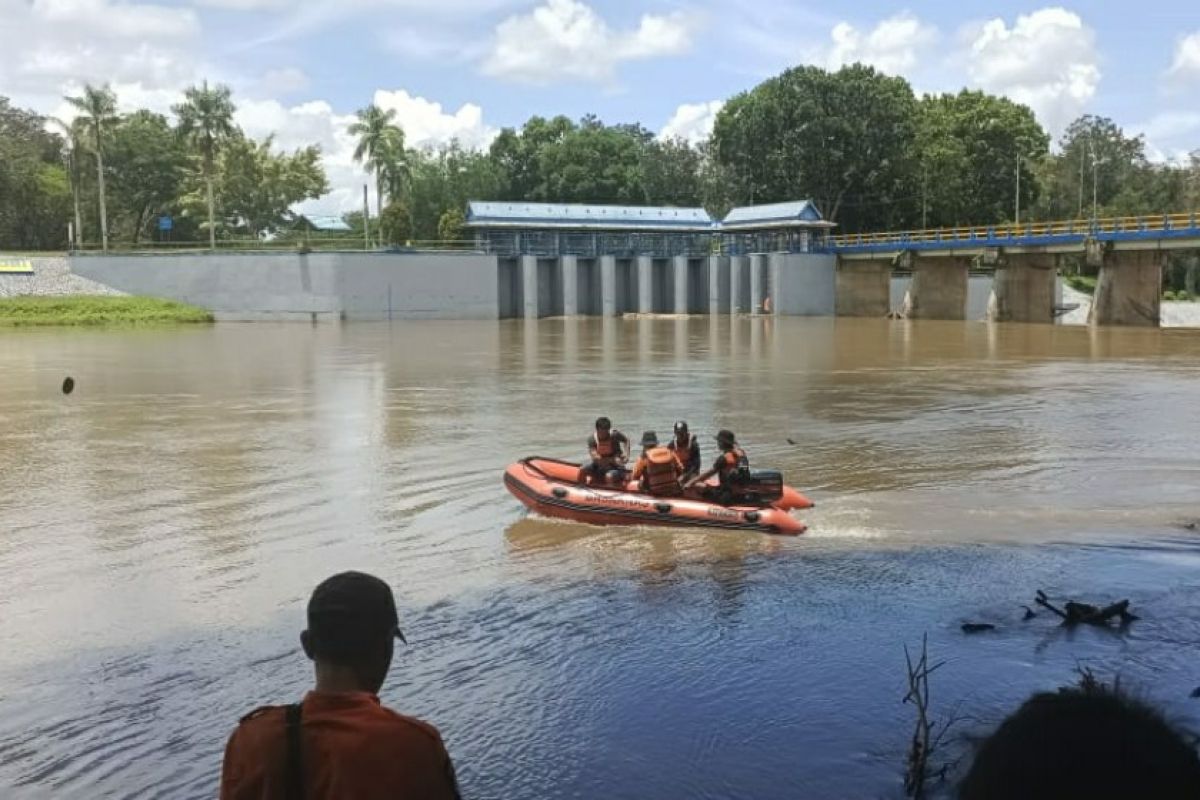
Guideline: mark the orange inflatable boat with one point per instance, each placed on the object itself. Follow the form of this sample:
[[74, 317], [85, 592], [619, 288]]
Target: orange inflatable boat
[[551, 487]]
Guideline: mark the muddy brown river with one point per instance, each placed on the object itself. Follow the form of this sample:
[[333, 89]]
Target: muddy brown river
[[162, 526]]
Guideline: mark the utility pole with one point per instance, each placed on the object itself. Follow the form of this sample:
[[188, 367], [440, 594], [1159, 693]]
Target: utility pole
[[1017, 215], [1095, 164], [366, 221], [924, 197], [1082, 153]]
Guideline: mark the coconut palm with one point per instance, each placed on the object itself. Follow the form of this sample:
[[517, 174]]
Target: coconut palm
[[206, 121], [98, 107], [378, 138], [74, 133], [395, 165]]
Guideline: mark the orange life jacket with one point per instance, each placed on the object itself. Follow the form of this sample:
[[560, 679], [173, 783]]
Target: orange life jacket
[[662, 472], [735, 463], [607, 448]]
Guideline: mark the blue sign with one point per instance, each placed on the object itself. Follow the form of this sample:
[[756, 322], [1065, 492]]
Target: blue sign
[[165, 223]]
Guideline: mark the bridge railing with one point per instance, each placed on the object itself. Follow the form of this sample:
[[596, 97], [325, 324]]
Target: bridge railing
[[1147, 226]]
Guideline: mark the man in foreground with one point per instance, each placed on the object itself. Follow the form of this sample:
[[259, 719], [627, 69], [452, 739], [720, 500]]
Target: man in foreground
[[608, 452], [340, 742]]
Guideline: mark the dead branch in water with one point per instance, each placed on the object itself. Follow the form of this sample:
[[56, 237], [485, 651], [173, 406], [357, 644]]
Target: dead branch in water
[[1073, 613], [927, 734]]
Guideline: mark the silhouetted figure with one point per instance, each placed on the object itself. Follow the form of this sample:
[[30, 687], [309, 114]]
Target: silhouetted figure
[[1085, 743], [340, 742]]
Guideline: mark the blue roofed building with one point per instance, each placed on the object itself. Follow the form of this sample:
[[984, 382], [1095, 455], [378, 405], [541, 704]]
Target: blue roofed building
[[792, 227], [551, 229]]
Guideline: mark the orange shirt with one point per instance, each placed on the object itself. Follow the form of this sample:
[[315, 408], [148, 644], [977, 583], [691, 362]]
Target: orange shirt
[[352, 747]]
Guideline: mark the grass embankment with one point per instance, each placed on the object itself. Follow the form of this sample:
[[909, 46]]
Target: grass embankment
[[92, 310], [1081, 283]]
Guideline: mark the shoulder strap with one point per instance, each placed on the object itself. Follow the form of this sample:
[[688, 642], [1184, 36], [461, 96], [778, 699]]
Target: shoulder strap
[[294, 778]]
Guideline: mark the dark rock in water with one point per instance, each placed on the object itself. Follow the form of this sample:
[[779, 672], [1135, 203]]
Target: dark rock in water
[[68, 385], [1196, 692], [1190, 526], [977, 627], [1029, 613], [791, 441]]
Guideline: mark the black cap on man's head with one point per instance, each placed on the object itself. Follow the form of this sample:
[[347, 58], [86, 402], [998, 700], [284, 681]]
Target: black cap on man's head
[[649, 439], [681, 427], [350, 613], [603, 424], [725, 435]]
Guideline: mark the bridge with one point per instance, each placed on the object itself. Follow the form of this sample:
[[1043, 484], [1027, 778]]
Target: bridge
[[1129, 253]]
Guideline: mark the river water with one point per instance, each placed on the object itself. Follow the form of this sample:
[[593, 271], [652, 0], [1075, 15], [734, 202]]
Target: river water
[[162, 526]]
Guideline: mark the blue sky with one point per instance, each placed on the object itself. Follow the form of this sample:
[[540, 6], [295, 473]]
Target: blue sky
[[464, 68]]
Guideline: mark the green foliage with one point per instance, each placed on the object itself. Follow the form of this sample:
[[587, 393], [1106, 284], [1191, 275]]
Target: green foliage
[[395, 224], [446, 178], [146, 164], [258, 186], [452, 226], [91, 310], [34, 188], [969, 150], [1081, 283], [846, 139]]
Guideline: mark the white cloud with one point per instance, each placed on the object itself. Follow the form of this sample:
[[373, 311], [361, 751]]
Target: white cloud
[[243, 5], [117, 19], [1186, 65], [893, 46], [1046, 60], [424, 123], [283, 81], [567, 40], [1170, 136], [692, 122], [53, 47]]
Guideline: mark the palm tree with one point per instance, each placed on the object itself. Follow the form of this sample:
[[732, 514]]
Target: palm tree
[[394, 165], [377, 139], [206, 121], [74, 136], [99, 109]]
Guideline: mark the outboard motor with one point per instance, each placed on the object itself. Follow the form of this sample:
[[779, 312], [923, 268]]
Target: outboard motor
[[760, 486]]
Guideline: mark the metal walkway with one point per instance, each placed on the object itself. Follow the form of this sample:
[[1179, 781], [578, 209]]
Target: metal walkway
[[1162, 231]]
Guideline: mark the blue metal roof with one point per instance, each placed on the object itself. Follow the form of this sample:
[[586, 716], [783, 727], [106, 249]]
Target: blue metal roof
[[561, 215], [794, 211]]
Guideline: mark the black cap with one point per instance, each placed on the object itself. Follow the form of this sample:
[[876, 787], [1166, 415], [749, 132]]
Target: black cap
[[603, 424], [349, 611], [725, 435], [649, 439], [681, 427]]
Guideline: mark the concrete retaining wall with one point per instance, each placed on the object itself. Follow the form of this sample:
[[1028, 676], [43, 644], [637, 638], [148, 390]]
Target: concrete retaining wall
[[255, 286]]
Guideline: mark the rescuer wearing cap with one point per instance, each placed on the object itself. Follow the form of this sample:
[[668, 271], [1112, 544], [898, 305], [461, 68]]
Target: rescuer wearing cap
[[732, 467], [686, 448], [340, 742]]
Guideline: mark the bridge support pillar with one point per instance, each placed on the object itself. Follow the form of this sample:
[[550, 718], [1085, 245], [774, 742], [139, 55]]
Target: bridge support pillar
[[1129, 289], [758, 282], [1023, 289], [679, 268], [863, 288], [569, 284], [938, 289], [718, 284], [739, 284], [531, 309], [645, 284], [608, 286]]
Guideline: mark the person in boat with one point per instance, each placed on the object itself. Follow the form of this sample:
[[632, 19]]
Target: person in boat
[[657, 471], [609, 452], [686, 448], [339, 741], [732, 468]]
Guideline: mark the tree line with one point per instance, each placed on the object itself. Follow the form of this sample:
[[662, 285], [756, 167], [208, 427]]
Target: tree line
[[871, 154]]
